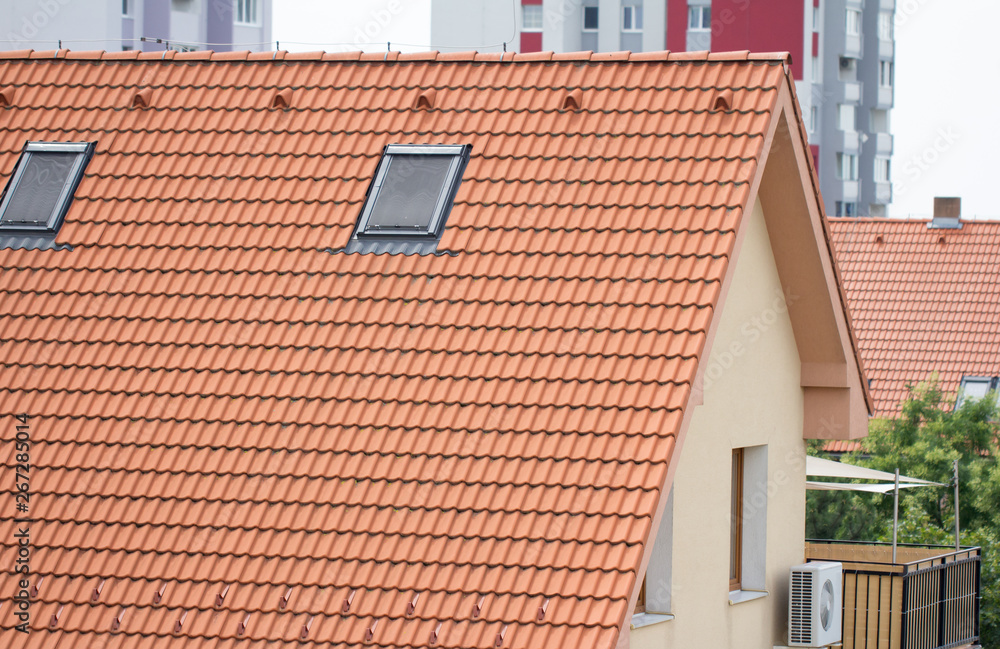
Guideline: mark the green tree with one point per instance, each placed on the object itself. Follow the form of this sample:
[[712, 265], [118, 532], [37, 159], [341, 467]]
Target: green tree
[[923, 442]]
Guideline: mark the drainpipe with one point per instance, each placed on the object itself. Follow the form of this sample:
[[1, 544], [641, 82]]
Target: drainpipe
[[895, 515]]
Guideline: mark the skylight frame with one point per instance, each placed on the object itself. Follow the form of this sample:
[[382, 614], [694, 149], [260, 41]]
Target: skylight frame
[[65, 199], [459, 154], [991, 383]]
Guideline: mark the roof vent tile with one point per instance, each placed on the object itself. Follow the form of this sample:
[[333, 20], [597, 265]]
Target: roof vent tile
[[142, 98], [426, 100], [306, 627], [282, 99], [723, 100], [7, 96], [573, 101]]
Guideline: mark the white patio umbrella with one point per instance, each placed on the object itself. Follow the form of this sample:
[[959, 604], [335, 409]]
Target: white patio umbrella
[[819, 467]]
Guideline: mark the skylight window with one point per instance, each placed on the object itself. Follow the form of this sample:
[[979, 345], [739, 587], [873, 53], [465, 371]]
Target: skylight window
[[412, 192], [41, 188], [974, 388]]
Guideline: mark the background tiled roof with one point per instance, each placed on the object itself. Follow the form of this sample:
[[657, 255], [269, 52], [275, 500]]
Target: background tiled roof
[[464, 448], [923, 300]]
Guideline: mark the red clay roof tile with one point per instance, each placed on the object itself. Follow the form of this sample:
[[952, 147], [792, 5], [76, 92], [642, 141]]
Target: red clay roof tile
[[920, 307], [220, 399]]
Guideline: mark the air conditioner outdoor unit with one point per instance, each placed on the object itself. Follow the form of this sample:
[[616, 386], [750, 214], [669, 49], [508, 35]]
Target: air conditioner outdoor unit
[[815, 604]]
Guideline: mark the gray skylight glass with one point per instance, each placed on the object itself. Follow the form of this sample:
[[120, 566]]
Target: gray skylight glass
[[409, 194], [41, 188], [974, 388], [412, 192]]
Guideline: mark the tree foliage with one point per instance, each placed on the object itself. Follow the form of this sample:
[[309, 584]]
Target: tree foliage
[[923, 442]]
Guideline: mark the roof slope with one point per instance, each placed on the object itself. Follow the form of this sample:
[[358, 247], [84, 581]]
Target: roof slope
[[464, 449], [922, 300]]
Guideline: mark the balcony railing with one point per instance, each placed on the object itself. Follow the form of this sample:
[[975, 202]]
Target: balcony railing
[[928, 599]]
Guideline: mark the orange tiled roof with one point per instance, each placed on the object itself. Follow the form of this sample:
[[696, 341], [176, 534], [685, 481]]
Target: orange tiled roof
[[462, 449], [922, 300]]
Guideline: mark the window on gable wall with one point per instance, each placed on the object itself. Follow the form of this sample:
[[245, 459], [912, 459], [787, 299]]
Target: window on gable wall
[[748, 521], [41, 188], [412, 192], [531, 18], [736, 522]]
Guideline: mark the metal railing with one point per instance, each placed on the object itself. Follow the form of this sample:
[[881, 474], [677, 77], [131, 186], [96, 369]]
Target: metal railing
[[928, 599]]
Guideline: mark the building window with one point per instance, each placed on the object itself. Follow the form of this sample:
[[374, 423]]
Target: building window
[[41, 188], [847, 166], [531, 18], [853, 22], [974, 388], [815, 18], [736, 522], [632, 18], [882, 170], [590, 19], [187, 6], [815, 69], [700, 18], [246, 12], [813, 119], [640, 602], [846, 209], [657, 584], [885, 74], [846, 115], [412, 192], [885, 26], [748, 521], [126, 7]]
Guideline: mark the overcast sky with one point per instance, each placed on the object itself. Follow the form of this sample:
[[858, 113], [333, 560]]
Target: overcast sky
[[947, 107]]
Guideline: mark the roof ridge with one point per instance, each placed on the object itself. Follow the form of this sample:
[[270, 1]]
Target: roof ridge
[[395, 56]]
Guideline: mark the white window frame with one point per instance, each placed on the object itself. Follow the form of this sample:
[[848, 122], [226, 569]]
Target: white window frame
[[886, 30], [630, 12], [537, 12], [853, 22], [847, 166], [244, 7], [815, 18], [884, 79], [882, 170], [813, 119], [699, 18], [583, 16]]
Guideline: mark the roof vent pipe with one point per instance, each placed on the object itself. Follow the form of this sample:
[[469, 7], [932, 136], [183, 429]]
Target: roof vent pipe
[[947, 214]]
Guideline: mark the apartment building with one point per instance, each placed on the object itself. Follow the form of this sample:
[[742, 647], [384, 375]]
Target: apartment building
[[150, 25], [842, 61]]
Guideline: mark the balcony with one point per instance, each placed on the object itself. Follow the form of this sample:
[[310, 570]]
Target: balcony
[[927, 599]]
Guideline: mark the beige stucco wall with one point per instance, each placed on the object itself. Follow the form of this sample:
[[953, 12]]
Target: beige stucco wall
[[752, 397]]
